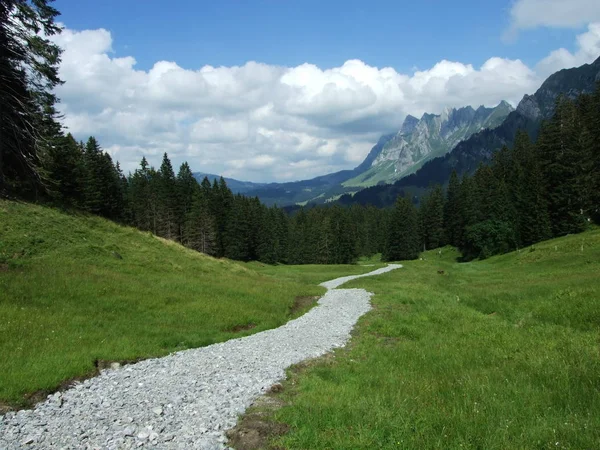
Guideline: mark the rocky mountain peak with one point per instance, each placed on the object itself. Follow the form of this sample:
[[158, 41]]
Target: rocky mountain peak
[[461, 116], [529, 107], [421, 140], [568, 82], [408, 125]]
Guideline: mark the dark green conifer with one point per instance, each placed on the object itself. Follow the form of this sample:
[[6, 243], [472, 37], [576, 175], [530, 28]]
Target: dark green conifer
[[167, 200], [402, 241], [431, 219], [64, 171], [561, 153], [453, 220]]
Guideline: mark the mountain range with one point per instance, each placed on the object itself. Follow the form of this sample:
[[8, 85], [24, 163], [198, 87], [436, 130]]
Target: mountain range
[[531, 111], [419, 141], [425, 151], [394, 156], [237, 186]]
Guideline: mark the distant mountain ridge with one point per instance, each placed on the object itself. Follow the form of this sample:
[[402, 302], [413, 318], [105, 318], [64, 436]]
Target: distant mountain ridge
[[464, 137], [480, 147], [419, 141], [287, 193], [236, 186], [530, 113], [393, 156], [386, 153]]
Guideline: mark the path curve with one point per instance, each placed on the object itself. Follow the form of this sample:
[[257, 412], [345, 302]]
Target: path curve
[[190, 398]]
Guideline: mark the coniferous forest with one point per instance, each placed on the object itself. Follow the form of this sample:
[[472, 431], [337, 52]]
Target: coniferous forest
[[531, 192]]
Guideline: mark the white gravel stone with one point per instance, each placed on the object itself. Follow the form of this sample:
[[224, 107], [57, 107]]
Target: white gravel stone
[[204, 390]]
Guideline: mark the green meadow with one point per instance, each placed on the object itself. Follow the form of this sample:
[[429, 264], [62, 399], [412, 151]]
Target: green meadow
[[77, 291], [495, 354]]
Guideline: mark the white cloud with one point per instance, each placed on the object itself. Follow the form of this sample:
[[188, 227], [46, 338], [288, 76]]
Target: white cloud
[[258, 162], [527, 14], [588, 49], [215, 130], [263, 122]]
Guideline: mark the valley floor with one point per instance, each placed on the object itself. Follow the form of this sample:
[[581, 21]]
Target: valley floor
[[493, 354], [78, 292], [188, 399]]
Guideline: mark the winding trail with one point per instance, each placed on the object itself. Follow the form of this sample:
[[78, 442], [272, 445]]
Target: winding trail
[[188, 399]]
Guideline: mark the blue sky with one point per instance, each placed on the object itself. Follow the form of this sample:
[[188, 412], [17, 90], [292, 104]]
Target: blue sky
[[403, 35], [286, 90]]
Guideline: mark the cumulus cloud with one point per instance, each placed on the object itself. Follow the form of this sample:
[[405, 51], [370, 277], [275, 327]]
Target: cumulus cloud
[[588, 49], [263, 122], [527, 14]]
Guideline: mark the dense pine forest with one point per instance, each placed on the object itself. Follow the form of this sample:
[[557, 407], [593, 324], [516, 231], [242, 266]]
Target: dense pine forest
[[529, 193], [203, 216]]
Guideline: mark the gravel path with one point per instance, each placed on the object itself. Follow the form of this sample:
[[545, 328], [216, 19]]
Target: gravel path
[[188, 399]]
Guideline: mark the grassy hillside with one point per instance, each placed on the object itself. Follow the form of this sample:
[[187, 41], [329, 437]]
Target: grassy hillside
[[75, 289], [496, 354]]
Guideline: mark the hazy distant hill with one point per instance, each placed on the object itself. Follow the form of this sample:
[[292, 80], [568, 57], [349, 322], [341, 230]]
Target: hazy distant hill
[[237, 186]]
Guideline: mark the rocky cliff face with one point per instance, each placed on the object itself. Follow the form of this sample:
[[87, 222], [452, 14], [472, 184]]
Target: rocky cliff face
[[463, 158], [567, 82], [531, 111], [433, 135]]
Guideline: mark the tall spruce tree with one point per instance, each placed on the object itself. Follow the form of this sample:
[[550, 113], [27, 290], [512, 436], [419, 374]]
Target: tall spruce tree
[[186, 188], [561, 153], [402, 241], [453, 220], [527, 185], [325, 242], [282, 234], [199, 229], [126, 213], [431, 219], [113, 196], [491, 229], [64, 171], [470, 206], [483, 187], [267, 238], [167, 200], [589, 181], [221, 202], [29, 72], [344, 236], [237, 236], [139, 197], [299, 251], [93, 188]]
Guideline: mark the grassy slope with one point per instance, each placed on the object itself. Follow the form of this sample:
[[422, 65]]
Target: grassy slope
[[372, 176], [489, 355], [67, 300]]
